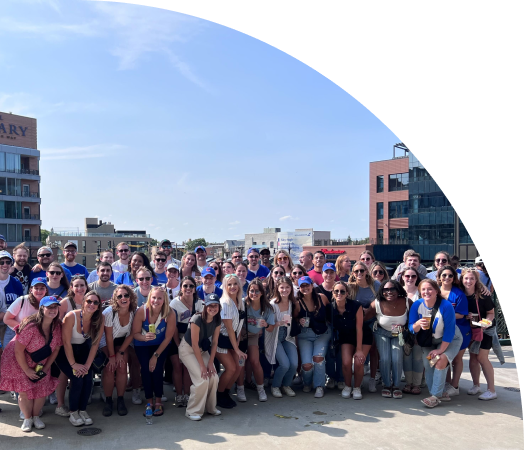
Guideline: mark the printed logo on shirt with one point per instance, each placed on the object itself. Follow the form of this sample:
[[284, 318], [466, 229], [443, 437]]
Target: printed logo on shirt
[[185, 315], [10, 298]]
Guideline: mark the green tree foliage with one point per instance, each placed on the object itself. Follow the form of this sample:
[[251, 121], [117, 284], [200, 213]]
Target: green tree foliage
[[43, 235], [194, 243]]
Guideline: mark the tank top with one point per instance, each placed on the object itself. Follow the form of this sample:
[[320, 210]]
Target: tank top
[[387, 322], [317, 321], [160, 331], [76, 337]]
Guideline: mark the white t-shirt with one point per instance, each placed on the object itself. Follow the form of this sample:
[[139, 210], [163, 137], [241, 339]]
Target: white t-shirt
[[119, 267], [93, 276], [21, 311], [3, 284], [112, 320]]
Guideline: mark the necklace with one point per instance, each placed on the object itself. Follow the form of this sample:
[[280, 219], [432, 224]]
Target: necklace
[[85, 336]]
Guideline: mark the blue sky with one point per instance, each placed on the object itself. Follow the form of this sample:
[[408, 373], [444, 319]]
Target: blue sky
[[160, 121]]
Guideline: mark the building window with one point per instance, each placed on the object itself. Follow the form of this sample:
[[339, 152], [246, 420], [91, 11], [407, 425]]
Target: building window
[[271, 244], [399, 182], [380, 210], [398, 210], [398, 235], [254, 243], [84, 247], [380, 236], [263, 243], [380, 183], [84, 261]]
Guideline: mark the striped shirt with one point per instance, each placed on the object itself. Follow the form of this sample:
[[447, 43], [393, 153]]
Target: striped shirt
[[230, 311], [112, 320]]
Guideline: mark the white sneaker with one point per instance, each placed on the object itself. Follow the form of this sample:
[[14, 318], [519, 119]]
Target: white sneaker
[[372, 385], [288, 391], [52, 400], [241, 394], [262, 397], [378, 377], [194, 417], [451, 391], [62, 411], [23, 417], [87, 420], [38, 424], [341, 385], [27, 425], [164, 398], [136, 398], [75, 419], [330, 384], [306, 388], [216, 413], [488, 395], [275, 392], [474, 390], [319, 392], [357, 394], [346, 392], [13, 395], [297, 380]]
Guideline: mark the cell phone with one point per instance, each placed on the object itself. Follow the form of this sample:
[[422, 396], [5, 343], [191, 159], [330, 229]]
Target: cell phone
[[152, 328], [39, 368]]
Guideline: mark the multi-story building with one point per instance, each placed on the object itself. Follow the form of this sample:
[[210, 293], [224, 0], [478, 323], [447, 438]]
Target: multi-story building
[[407, 209], [19, 182], [98, 236]]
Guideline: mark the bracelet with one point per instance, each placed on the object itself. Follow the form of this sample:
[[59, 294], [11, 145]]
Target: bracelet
[[72, 364], [112, 356], [267, 326]]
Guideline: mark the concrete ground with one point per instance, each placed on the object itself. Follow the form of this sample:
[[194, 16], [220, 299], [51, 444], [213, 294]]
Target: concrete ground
[[299, 422]]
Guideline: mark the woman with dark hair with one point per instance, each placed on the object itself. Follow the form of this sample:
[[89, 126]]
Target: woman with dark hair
[[75, 295], [197, 351], [432, 319], [277, 272], [115, 342], [185, 305], [353, 338], [144, 279], [260, 317], [298, 272], [81, 333], [138, 260], [27, 359], [314, 337], [218, 271], [241, 271], [447, 279], [441, 259], [189, 267], [379, 272], [391, 308], [57, 283]]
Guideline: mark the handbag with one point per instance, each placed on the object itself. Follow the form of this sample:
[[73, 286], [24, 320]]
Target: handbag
[[100, 361], [477, 334], [425, 337]]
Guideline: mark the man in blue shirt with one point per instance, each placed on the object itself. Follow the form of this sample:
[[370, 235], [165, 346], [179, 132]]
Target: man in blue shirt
[[255, 269], [45, 257], [209, 277], [70, 251]]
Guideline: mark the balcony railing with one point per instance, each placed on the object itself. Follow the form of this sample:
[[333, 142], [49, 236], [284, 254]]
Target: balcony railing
[[22, 216], [19, 193], [111, 235], [22, 171]]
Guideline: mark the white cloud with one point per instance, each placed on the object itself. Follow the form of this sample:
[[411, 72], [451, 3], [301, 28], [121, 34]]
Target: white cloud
[[186, 223], [288, 218], [79, 152], [181, 181], [236, 222]]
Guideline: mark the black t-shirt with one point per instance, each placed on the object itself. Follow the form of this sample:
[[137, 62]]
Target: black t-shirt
[[23, 276], [321, 290], [197, 320], [485, 304], [346, 322]]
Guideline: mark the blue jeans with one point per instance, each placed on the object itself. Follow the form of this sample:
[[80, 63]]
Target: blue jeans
[[391, 356], [413, 366], [310, 345], [287, 358], [8, 337]]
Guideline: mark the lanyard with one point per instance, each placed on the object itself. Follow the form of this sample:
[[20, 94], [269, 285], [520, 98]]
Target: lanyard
[[86, 336]]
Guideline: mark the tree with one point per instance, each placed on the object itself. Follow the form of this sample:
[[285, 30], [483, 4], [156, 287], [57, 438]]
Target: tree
[[43, 235], [349, 240], [154, 242], [194, 243]]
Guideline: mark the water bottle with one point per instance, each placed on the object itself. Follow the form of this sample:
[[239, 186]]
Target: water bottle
[[149, 414]]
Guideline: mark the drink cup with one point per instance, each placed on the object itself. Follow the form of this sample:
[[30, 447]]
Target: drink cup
[[259, 324], [152, 328], [241, 362], [474, 317], [286, 318], [306, 321], [427, 317], [394, 330]]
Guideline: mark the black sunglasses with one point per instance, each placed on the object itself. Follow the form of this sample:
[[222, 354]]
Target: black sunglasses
[[378, 272], [44, 255], [390, 290], [160, 260], [144, 278], [53, 272], [359, 271], [121, 296], [93, 302]]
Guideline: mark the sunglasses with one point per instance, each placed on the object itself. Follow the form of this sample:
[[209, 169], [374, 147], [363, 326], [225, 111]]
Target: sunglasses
[[144, 278], [4, 262], [446, 275], [121, 296], [237, 256], [188, 286], [337, 291], [298, 273], [166, 247], [278, 272], [378, 272], [52, 272], [365, 259], [409, 277], [441, 260], [93, 302], [160, 260], [254, 292], [359, 271], [253, 256], [76, 277], [44, 255], [125, 250], [390, 290], [283, 258]]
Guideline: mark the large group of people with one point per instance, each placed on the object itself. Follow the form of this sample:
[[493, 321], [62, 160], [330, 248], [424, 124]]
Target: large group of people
[[211, 326]]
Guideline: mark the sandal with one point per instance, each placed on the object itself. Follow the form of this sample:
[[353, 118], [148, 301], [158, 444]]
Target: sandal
[[159, 410], [445, 397], [407, 389], [431, 402], [415, 390], [397, 393], [386, 392]]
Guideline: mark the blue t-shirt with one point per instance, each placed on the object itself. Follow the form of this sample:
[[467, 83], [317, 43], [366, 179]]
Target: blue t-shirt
[[42, 274], [125, 278], [262, 272], [60, 292], [254, 314], [460, 302], [161, 278], [77, 269], [200, 292]]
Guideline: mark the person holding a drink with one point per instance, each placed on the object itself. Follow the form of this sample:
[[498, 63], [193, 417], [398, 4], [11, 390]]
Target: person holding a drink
[[432, 319]]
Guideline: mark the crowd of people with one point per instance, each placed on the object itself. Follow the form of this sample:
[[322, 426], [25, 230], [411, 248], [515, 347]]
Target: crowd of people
[[207, 327]]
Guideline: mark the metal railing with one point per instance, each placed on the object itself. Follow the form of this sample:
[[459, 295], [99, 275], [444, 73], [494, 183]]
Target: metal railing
[[22, 171], [19, 193], [83, 234]]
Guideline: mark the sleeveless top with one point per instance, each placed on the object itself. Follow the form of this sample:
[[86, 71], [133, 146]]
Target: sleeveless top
[[345, 323], [160, 330], [317, 321], [76, 337], [387, 322]]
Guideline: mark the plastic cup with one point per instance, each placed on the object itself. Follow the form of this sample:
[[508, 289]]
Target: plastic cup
[[286, 318], [474, 317], [428, 321], [306, 321], [259, 323]]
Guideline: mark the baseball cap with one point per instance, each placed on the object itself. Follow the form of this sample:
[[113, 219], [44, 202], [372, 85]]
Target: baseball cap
[[39, 280], [71, 244], [49, 300], [304, 280], [265, 249], [200, 248], [328, 266], [2, 238], [252, 249], [165, 241], [209, 271], [4, 254], [478, 260], [211, 299], [172, 266], [43, 249]]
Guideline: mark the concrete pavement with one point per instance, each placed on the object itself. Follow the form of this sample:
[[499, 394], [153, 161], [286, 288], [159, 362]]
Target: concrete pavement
[[300, 422]]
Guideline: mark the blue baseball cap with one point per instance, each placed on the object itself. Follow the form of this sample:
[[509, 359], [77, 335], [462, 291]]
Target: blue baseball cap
[[200, 248], [49, 300], [2, 238], [4, 254], [304, 280], [211, 299], [252, 249], [39, 280], [209, 271], [328, 266]]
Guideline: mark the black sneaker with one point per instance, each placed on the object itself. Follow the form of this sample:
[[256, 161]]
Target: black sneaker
[[121, 406], [223, 400], [108, 407]]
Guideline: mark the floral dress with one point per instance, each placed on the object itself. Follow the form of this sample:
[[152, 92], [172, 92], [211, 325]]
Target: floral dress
[[13, 378]]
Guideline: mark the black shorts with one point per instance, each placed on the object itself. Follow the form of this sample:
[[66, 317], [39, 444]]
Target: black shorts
[[351, 337], [243, 346], [172, 349], [487, 342]]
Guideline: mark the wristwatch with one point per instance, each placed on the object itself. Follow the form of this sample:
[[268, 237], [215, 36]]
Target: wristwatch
[[122, 353], [156, 354]]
